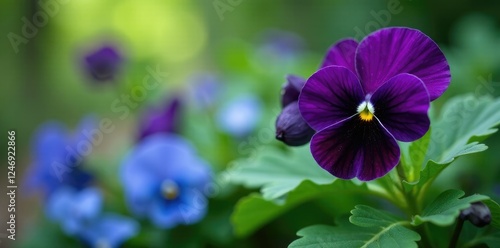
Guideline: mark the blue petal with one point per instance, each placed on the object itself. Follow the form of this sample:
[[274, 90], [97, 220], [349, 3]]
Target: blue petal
[[240, 116], [110, 229]]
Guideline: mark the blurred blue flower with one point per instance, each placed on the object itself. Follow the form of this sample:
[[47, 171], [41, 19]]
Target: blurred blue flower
[[280, 44], [161, 120], [109, 231], [74, 209], [205, 89], [56, 162], [104, 63], [240, 116], [79, 213], [164, 180]]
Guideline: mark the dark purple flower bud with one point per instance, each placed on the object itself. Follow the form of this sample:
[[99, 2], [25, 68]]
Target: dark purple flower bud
[[478, 214], [104, 63], [291, 89], [161, 120], [291, 128]]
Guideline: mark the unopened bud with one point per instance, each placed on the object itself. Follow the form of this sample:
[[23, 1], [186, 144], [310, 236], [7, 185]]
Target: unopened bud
[[291, 89], [291, 128], [478, 214]]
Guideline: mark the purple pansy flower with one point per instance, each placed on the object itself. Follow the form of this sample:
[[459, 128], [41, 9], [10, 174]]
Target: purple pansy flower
[[104, 63], [161, 120], [369, 95], [164, 180], [54, 160]]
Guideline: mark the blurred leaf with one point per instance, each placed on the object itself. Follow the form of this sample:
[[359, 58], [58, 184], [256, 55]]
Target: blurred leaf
[[495, 212], [491, 239], [254, 211], [372, 228], [446, 207], [464, 121], [278, 172]]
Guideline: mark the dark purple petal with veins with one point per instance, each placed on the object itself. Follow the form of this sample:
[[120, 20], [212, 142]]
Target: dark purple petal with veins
[[401, 105], [355, 148], [391, 51], [342, 53], [330, 95], [291, 89]]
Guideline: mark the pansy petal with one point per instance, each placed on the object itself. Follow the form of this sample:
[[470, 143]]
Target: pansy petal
[[342, 53], [291, 89], [330, 95], [401, 105], [391, 51], [355, 148], [165, 215]]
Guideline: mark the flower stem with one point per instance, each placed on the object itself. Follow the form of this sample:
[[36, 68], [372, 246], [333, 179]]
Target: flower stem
[[456, 233]]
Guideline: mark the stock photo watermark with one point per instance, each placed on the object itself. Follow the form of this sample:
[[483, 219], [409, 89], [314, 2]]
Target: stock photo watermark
[[11, 184], [47, 9], [223, 6], [121, 106], [381, 19]]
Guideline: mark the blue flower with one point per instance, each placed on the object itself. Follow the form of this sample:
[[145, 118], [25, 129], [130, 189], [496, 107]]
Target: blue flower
[[240, 116], [164, 180], [280, 44], [79, 213], [55, 160], [74, 209], [109, 231], [205, 89]]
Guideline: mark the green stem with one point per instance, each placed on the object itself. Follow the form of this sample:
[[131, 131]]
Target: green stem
[[456, 233]]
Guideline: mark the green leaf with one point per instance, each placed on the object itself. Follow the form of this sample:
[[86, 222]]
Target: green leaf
[[446, 207], [370, 228], [254, 211], [464, 121], [413, 161], [277, 172], [495, 212], [366, 216], [490, 239]]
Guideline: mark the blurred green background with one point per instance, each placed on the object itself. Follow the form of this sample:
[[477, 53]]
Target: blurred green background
[[42, 77]]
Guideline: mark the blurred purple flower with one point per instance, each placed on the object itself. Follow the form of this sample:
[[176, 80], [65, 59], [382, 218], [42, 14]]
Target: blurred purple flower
[[205, 89], [109, 230], [164, 180], [74, 209], [161, 120], [369, 95], [281, 44], [240, 116], [55, 162], [104, 63]]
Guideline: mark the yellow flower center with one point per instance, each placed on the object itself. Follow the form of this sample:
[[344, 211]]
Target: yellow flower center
[[169, 189], [366, 111]]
